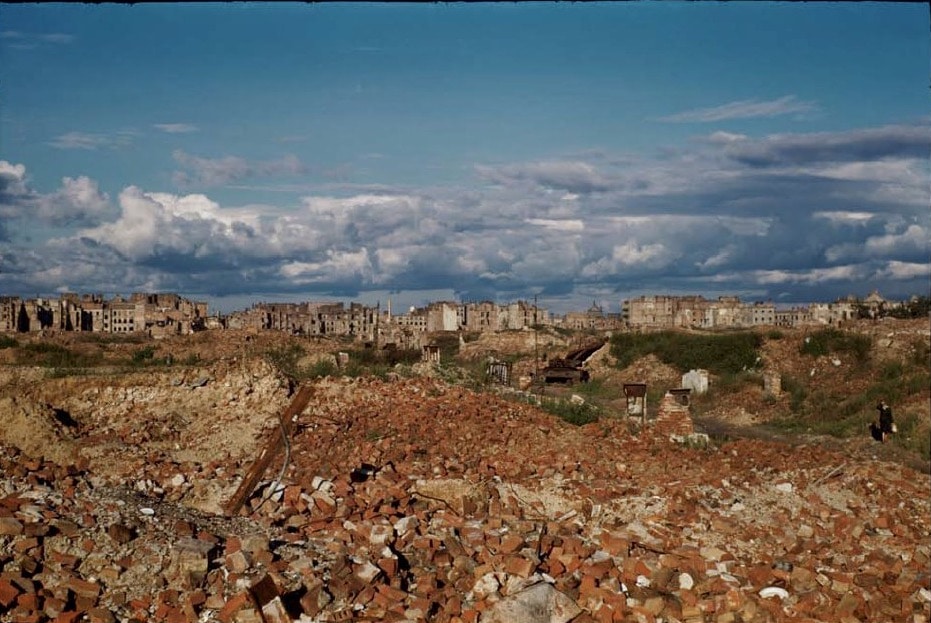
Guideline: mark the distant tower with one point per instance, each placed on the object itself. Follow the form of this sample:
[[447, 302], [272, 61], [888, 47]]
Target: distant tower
[[389, 309]]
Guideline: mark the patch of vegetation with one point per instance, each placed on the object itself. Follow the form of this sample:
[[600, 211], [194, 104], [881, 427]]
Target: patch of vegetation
[[735, 381], [829, 341], [578, 414], [49, 355], [369, 362], [286, 359], [919, 307], [448, 344], [797, 392], [774, 334], [726, 353], [597, 389], [7, 342], [921, 353], [912, 435], [323, 368], [826, 411], [144, 356], [94, 337], [368, 357], [470, 336]]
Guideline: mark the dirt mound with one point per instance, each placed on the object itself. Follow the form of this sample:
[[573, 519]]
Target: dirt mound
[[652, 371], [526, 342], [37, 430]]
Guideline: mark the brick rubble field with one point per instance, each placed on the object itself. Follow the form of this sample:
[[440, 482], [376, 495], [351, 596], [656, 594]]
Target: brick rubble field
[[415, 500]]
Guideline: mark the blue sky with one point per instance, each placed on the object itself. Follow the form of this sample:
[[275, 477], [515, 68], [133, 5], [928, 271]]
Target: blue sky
[[578, 152]]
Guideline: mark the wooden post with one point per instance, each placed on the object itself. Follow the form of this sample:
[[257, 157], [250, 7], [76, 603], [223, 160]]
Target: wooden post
[[297, 406]]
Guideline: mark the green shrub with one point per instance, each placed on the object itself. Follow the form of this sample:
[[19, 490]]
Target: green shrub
[[321, 369], [797, 392], [734, 381], [597, 388], [774, 334], [144, 355], [7, 342], [49, 355], [448, 344], [921, 353], [828, 341], [578, 414], [720, 353], [286, 358]]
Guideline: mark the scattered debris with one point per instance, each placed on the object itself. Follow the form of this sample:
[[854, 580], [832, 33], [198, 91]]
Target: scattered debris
[[418, 500]]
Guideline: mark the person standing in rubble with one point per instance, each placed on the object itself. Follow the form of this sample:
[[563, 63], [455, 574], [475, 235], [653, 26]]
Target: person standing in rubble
[[886, 421]]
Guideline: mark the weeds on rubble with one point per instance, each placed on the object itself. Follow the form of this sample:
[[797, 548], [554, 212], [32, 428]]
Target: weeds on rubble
[[736, 381], [913, 435], [829, 341], [48, 355], [597, 389], [323, 368], [7, 342], [578, 414], [921, 353], [774, 334], [720, 353], [797, 392], [144, 356], [379, 364], [94, 337], [819, 410], [286, 359]]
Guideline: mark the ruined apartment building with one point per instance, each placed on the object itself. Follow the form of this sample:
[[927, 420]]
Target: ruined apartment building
[[658, 312], [371, 323], [592, 319], [156, 315], [310, 319]]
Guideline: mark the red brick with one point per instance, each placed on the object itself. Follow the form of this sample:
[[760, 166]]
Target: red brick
[[10, 526], [27, 601], [83, 588], [520, 566], [613, 544], [100, 615], [511, 543], [8, 593], [389, 566], [234, 605]]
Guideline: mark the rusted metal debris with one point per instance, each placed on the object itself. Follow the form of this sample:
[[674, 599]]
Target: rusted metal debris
[[254, 475], [569, 370]]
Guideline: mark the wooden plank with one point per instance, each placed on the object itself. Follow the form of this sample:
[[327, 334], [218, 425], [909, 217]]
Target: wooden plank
[[275, 443]]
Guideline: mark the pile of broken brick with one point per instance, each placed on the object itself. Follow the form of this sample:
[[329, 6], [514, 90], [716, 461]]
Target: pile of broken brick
[[413, 500]]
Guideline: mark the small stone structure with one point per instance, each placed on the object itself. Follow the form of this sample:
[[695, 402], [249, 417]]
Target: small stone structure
[[431, 353], [499, 371], [696, 380], [673, 418], [636, 394], [772, 384], [681, 395]]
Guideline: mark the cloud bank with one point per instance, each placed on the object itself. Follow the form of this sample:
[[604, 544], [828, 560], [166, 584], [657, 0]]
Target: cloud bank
[[784, 217]]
